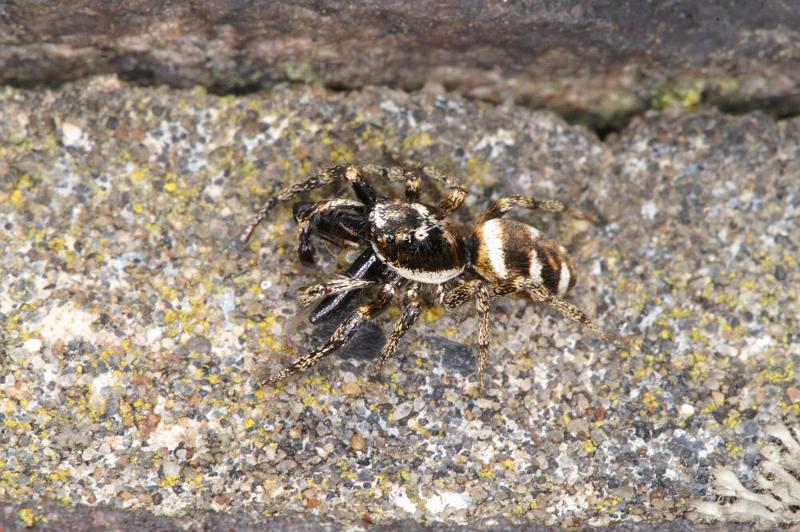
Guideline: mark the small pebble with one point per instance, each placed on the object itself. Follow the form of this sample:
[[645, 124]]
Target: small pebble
[[402, 411], [199, 344], [351, 389], [171, 468], [33, 345], [793, 394], [357, 442]]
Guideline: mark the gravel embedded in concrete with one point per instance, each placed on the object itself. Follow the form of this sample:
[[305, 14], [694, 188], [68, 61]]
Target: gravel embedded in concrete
[[134, 336]]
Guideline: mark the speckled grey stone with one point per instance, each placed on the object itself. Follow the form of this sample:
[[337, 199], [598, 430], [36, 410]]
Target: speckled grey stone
[[104, 187]]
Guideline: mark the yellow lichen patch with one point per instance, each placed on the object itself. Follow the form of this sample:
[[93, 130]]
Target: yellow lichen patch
[[650, 401], [416, 427], [415, 142], [59, 476], [486, 472], [432, 314], [140, 174], [733, 420], [27, 516], [341, 155], [310, 400], [698, 336], [170, 481], [450, 332], [508, 465], [680, 313], [607, 503], [790, 408], [195, 480], [17, 199], [479, 172], [685, 96], [777, 372], [734, 450], [56, 244]]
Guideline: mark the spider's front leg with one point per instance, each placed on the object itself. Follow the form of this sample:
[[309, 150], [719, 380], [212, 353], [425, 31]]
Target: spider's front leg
[[365, 270], [392, 174], [353, 175], [413, 168], [339, 220], [343, 332]]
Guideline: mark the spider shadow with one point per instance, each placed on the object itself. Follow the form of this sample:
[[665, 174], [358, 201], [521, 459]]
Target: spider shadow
[[367, 341], [455, 356]]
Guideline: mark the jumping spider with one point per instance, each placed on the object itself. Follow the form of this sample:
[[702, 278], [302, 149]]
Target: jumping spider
[[408, 244]]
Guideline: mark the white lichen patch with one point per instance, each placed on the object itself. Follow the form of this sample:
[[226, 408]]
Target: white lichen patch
[[649, 210], [73, 136], [68, 322], [447, 500], [399, 498], [775, 499]]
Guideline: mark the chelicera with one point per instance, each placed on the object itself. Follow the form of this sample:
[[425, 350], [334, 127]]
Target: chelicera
[[408, 245]]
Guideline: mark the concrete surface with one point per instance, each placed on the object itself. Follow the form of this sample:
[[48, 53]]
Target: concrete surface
[[133, 335]]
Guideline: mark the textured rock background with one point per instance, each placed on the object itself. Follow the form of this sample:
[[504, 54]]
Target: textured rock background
[[133, 335], [597, 63]]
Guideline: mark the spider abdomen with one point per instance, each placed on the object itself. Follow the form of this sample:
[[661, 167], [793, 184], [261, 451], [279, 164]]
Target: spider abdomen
[[503, 249]]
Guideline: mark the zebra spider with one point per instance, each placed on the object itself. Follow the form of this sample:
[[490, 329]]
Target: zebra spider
[[408, 244]]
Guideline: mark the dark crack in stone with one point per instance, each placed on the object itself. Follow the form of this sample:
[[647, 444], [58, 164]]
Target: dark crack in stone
[[596, 63]]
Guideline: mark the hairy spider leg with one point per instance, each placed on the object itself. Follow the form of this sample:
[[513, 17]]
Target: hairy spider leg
[[413, 182], [503, 205], [483, 291], [410, 315], [353, 174], [440, 291], [457, 296], [366, 268], [343, 332], [457, 191], [338, 219], [484, 330], [540, 293], [337, 285]]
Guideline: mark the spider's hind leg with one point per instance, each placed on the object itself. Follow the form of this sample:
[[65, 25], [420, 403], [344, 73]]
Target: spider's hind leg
[[500, 207], [540, 293], [457, 296]]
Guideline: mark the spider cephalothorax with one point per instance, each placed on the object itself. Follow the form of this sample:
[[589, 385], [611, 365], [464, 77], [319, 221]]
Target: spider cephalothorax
[[408, 245], [416, 242]]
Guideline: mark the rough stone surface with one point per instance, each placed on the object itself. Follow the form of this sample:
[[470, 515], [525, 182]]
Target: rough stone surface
[[118, 206], [598, 63]]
